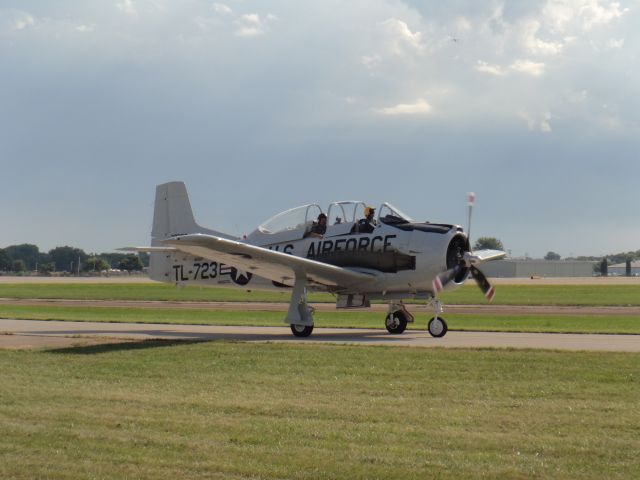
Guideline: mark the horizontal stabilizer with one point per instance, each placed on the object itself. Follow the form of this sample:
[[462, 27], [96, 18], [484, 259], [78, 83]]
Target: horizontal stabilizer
[[481, 256], [147, 249]]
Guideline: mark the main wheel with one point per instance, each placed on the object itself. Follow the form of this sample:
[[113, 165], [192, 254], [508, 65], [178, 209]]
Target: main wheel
[[301, 330], [437, 327], [396, 323]]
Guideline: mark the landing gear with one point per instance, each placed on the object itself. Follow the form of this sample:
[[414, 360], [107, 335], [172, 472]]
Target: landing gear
[[437, 327], [301, 330], [397, 318], [300, 314], [396, 323]]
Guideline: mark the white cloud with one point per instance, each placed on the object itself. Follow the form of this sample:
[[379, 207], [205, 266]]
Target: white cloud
[[561, 15], [463, 25], [22, 21], [541, 124], [595, 14], [528, 67], [535, 45], [577, 97], [84, 28], [221, 8], [251, 25], [615, 43], [370, 61], [420, 107], [127, 7], [400, 38], [484, 67]]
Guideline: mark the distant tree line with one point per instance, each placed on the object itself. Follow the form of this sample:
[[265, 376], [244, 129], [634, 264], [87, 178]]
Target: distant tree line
[[28, 258], [600, 262]]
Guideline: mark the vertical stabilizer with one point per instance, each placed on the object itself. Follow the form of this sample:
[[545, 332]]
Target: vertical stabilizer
[[172, 215]]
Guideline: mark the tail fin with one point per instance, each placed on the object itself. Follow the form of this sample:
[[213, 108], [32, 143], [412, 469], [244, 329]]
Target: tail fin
[[172, 215]]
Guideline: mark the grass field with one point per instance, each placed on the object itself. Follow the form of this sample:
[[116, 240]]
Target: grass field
[[365, 319], [224, 410], [468, 294]]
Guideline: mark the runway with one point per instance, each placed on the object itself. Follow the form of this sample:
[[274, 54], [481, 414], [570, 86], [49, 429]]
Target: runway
[[53, 334]]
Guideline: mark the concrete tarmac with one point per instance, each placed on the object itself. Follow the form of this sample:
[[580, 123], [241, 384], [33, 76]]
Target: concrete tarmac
[[36, 333]]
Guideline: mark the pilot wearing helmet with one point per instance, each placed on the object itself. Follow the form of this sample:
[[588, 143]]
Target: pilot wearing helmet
[[367, 224], [319, 228]]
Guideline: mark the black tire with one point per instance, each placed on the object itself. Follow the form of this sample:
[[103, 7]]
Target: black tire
[[396, 323], [301, 330], [437, 327]]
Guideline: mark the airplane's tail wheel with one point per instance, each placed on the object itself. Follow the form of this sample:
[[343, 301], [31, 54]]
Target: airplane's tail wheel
[[301, 330], [437, 327], [396, 323]]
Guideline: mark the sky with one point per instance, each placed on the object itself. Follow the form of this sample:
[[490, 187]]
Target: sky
[[260, 106]]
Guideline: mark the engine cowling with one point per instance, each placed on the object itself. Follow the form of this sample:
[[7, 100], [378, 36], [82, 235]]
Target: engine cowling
[[458, 245]]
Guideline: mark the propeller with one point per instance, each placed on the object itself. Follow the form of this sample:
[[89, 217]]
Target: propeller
[[487, 289], [464, 260], [446, 277]]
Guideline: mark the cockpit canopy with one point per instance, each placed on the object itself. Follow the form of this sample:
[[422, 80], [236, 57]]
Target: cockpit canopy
[[344, 212], [291, 219]]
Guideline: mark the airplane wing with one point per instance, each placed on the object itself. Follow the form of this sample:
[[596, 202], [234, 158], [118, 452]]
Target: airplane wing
[[277, 266]]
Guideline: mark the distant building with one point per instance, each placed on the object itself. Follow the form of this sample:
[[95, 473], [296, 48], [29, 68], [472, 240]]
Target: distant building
[[621, 269], [538, 268]]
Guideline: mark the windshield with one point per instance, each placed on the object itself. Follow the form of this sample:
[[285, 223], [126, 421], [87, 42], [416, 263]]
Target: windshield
[[291, 219], [392, 215]]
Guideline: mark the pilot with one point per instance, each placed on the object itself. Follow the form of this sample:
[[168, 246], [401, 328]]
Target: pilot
[[367, 224], [319, 228]]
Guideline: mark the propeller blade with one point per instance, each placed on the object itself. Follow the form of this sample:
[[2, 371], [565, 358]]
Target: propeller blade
[[444, 278], [483, 283]]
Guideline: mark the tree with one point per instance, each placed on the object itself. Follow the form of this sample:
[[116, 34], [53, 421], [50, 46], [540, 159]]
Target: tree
[[66, 258], [130, 263], [488, 243], [95, 264], [5, 260], [18, 266], [113, 259], [552, 256], [46, 268], [26, 252]]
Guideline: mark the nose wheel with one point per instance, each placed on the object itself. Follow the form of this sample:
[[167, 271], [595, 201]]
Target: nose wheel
[[437, 327]]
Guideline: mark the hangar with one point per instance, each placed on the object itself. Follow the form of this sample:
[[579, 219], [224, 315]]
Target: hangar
[[621, 269], [541, 268]]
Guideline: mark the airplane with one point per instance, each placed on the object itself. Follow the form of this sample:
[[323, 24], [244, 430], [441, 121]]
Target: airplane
[[394, 258]]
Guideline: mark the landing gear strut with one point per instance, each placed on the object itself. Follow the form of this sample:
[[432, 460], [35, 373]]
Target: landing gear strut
[[300, 314], [437, 327]]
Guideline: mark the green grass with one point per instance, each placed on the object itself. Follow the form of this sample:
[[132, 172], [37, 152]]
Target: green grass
[[166, 410], [137, 291], [478, 322], [468, 294]]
